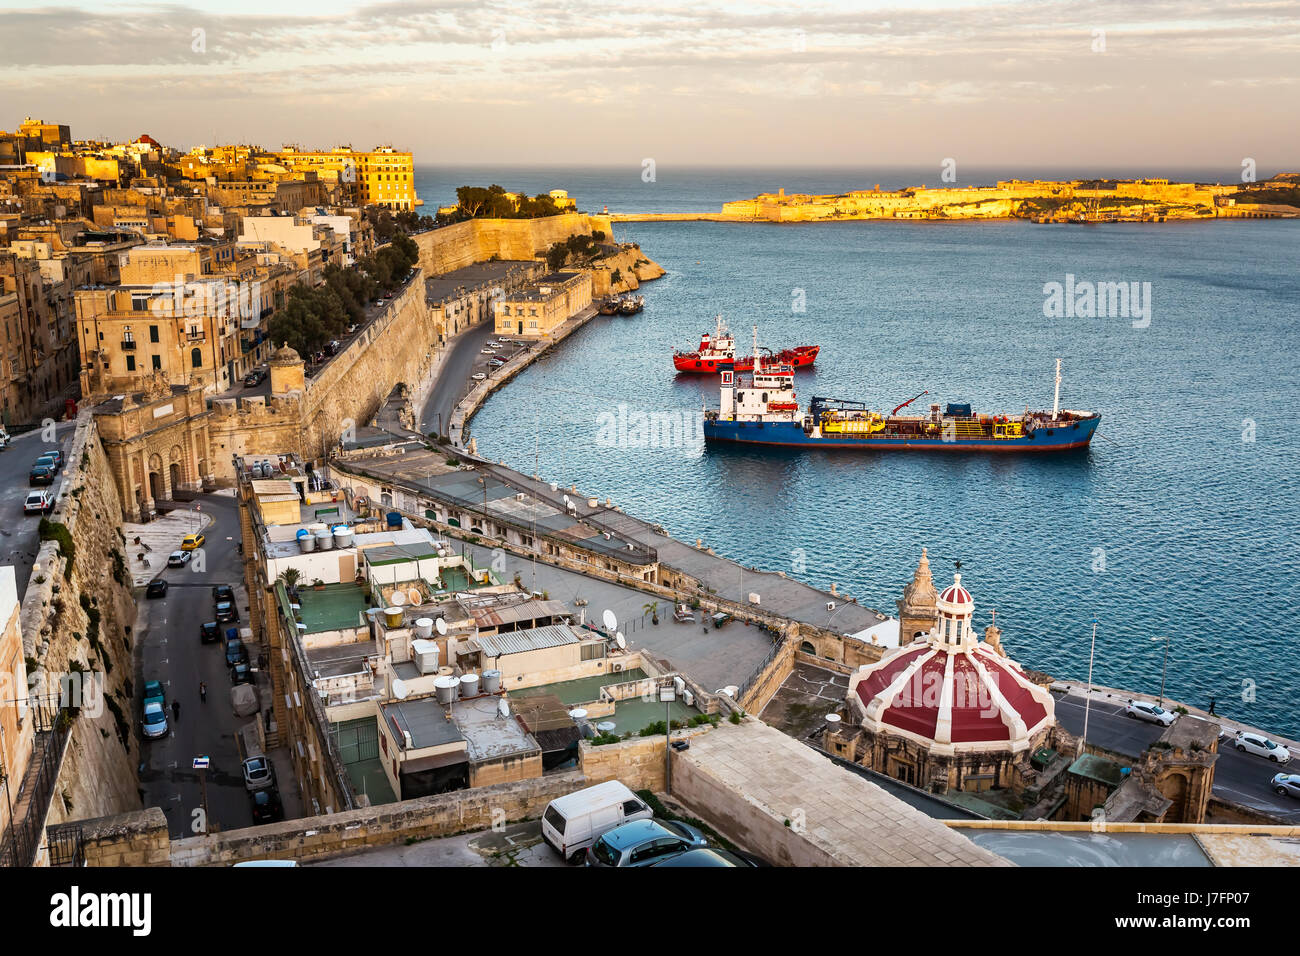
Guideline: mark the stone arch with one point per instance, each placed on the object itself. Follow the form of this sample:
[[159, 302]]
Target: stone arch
[[808, 648], [1175, 787]]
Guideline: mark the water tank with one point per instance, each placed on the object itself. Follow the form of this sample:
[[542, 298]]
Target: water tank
[[424, 627], [469, 685], [342, 537], [316, 527], [593, 502], [689, 699], [426, 656], [393, 616], [394, 519], [324, 541], [306, 541], [491, 681], [446, 689], [679, 686]]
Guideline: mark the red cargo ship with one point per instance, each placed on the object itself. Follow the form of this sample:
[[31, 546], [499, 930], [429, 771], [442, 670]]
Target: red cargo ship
[[718, 351]]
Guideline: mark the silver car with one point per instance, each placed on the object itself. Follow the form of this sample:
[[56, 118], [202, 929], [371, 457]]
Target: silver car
[[258, 773], [1149, 712], [1286, 784]]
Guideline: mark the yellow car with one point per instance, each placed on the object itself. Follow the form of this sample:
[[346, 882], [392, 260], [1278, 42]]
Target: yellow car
[[192, 541]]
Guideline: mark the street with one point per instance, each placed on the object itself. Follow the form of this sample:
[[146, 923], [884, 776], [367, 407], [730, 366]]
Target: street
[[463, 357], [168, 649], [18, 532], [1238, 777]]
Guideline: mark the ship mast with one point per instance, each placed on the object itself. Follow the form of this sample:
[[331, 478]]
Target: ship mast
[[758, 362], [1056, 398]]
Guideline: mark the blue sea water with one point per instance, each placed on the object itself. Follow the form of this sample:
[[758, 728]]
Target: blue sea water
[[1178, 522]]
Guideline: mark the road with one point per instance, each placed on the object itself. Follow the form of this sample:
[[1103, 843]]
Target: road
[[19, 540], [169, 650], [519, 844], [462, 359], [1238, 777]]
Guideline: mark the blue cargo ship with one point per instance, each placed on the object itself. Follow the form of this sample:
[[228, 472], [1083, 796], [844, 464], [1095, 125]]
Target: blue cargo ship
[[764, 411]]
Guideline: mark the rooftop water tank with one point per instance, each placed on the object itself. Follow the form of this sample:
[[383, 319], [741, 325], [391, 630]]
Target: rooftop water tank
[[306, 541], [446, 689], [426, 656], [394, 519], [491, 681], [342, 537], [469, 685], [324, 541], [423, 627], [393, 616]]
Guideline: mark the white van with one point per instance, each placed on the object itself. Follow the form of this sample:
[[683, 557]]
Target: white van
[[573, 822]]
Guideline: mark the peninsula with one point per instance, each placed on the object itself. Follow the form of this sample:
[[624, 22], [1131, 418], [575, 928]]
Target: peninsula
[[1074, 201]]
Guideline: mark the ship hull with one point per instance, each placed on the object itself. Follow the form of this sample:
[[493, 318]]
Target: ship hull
[[692, 363], [1072, 435]]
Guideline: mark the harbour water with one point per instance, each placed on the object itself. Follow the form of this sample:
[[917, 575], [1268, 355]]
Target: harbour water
[[1179, 522]]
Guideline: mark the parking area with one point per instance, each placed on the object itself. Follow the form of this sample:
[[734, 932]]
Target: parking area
[[518, 844]]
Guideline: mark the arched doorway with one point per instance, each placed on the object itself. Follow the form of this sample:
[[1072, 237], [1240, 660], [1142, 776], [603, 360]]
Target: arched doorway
[[808, 648], [174, 472], [155, 486]]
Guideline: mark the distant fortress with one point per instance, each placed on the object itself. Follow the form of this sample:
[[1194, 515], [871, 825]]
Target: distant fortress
[[1088, 201]]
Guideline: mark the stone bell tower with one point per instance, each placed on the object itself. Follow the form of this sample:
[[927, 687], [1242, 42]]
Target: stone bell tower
[[918, 610]]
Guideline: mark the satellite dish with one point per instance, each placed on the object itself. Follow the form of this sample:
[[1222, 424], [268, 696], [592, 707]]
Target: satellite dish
[[577, 713], [398, 599], [441, 625], [503, 707], [400, 689], [611, 622], [415, 595], [620, 640]]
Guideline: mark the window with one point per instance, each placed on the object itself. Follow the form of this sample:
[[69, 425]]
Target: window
[[196, 358], [593, 652], [130, 363], [632, 806], [153, 333], [157, 362]]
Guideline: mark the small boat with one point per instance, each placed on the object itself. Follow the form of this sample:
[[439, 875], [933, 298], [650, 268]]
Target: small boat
[[610, 305], [718, 351], [631, 304]]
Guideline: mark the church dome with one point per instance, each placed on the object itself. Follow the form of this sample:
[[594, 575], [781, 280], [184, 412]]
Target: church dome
[[284, 355], [955, 599]]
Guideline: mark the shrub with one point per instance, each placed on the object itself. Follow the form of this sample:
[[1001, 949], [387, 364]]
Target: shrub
[[57, 531]]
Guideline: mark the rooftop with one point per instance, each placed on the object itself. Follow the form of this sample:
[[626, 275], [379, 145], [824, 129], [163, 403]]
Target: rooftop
[[491, 736], [426, 720], [334, 607], [529, 639]]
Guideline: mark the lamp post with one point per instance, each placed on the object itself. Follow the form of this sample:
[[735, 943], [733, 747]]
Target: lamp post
[[1087, 702], [1163, 670], [667, 694]]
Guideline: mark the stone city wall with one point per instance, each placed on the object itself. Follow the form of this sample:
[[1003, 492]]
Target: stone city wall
[[478, 240]]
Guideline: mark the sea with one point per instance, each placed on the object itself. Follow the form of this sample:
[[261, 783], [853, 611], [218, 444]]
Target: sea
[[1174, 535]]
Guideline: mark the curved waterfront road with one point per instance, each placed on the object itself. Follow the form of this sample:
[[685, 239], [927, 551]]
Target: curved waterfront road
[[462, 354]]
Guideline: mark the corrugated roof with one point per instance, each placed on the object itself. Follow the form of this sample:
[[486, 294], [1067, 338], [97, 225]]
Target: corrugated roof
[[530, 639], [514, 613]]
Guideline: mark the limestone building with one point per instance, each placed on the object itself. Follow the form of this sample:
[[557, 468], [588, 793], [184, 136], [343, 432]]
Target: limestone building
[[536, 311]]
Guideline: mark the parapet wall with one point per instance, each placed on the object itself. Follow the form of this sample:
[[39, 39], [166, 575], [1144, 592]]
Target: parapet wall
[[478, 240]]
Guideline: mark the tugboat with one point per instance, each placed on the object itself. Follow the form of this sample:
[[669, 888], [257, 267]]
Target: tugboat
[[631, 305], [718, 352], [610, 305], [765, 412]]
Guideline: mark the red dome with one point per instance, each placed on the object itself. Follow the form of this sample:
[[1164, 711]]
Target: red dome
[[956, 594]]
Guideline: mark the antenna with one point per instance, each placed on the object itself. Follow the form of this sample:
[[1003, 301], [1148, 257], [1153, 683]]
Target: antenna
[[1056, 398], [758, 362]]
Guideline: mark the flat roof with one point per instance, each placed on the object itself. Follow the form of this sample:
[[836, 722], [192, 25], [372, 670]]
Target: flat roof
[[335, 607], [426, 720], [489, 735]]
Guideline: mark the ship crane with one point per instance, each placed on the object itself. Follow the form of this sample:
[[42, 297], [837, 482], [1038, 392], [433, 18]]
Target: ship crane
[[908, 402]]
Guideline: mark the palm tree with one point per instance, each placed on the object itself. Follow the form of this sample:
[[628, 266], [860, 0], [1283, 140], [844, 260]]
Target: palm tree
[[651, 608], [289, 577]]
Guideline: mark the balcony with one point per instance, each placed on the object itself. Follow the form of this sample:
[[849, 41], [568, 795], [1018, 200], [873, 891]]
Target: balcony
[[128, 345], [194, 335]]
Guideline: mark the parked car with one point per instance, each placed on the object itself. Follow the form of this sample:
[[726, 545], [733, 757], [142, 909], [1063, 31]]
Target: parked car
[[153, 690], [265, 805], [258, 773], [1286, 784], [4, 438], [643, 843], [41, 474], [241, 672], [38, 503], [209, 631], [226, 613], [479, 376], [254, 378], [154, 722], [573, 822], [496, 362], [1261, 746], [707, 856], [192, 541], [1149, 712], [487, 351], [157, 588], [223, 592], [54, 457], [178, 559], [236, 652]]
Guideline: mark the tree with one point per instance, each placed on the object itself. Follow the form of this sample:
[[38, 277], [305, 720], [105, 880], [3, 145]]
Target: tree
[[557, 256]]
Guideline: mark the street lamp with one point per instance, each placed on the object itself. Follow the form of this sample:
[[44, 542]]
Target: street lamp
[[1163, 670], [1087, 701], [667, 694]]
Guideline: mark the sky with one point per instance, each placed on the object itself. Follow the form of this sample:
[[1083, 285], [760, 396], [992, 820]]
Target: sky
[[1055, 83]]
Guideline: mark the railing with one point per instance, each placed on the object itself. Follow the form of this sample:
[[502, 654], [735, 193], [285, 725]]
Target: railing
[[22, 837], [128, 345]]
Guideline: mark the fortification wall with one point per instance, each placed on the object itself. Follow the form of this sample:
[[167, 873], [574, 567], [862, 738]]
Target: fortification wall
[[76, 618], [477, 240]]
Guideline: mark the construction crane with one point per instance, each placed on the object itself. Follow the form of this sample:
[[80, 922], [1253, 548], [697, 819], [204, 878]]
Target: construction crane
[[908, 402]]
